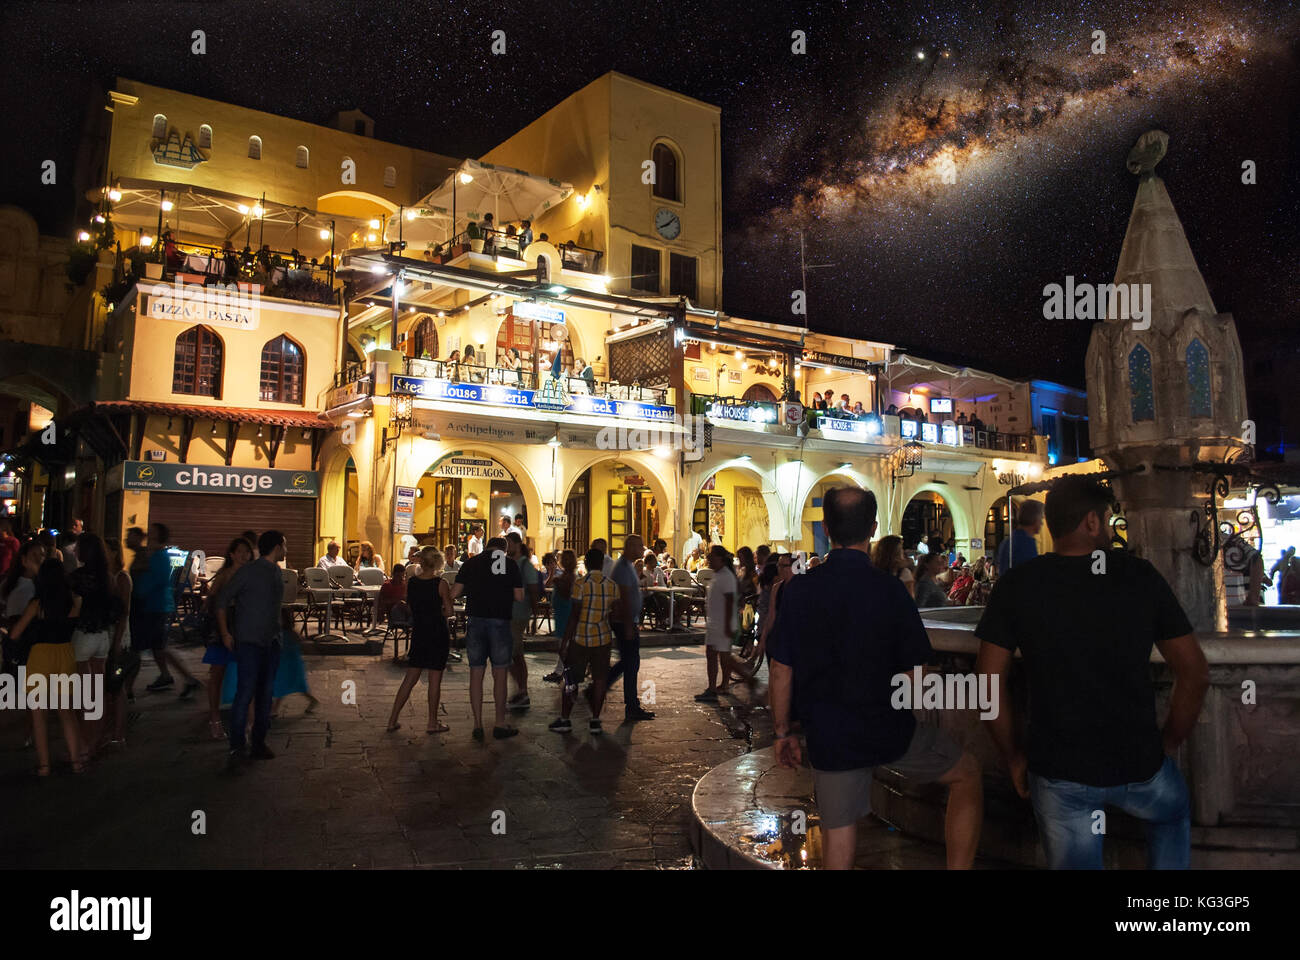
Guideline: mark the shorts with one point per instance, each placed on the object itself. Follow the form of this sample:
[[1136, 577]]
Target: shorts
[[517, 628], [487, 639], [90, 646], [216, 655], [579, 659], [718, 641], [844, 796]]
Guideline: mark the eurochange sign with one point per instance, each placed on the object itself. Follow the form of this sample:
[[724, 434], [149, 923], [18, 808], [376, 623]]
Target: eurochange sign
[[202, 478], [487, 394]]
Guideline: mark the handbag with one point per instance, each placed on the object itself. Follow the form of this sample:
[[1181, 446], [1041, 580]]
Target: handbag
[[119, 667]]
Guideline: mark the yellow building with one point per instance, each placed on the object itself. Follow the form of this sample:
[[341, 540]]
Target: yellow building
[[400, 366]]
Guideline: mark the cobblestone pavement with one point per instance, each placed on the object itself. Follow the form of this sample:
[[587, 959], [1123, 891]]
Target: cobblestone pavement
[[343, 793]]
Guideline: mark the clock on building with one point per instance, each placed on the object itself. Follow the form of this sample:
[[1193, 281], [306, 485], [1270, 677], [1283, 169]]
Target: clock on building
[[667, 223]]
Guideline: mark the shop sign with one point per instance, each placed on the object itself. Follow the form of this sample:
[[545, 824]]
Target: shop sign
[[200, 478], [404, 510], [471, 468], [238, 310], [837, 360], [537, 311], [556, 519], [490, 394]]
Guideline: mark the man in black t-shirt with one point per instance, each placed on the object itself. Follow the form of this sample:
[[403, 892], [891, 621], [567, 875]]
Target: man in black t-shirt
[[491, 583], [843, 632], [1085, 619]]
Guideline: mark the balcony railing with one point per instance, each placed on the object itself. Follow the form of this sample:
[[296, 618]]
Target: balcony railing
[[525, 379], [290, 276], [499, 244]]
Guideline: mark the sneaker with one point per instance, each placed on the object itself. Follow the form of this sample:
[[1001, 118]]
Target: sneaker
[[594, 727], [561, 725], [162, 683], [708, 696], [501, 733], [637, 713], [261, 753], [519, 701], [189, 688]]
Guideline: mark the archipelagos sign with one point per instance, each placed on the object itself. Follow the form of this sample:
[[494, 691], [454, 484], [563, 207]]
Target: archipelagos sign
[[201, 478], [471, 468], [491, 394]]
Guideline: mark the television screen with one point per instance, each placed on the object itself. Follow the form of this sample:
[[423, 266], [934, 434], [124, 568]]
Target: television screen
[[941, 404]]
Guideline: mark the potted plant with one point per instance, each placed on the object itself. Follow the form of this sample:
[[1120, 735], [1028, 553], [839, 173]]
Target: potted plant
[[475, 237], [153, 262]]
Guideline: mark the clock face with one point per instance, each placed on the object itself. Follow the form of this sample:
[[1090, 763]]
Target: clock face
[[667, 223]]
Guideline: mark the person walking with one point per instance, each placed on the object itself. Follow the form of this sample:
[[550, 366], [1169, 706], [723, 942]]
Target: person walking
[[1085, 635], [627, 629], [1021, 547], [123, 664], [843, 632], [51, 616], [429, 596], [586, 644], [100, 611], [215, 654], [492, 584], [254, 593], [722, 610], [520, 613], [291, 670], [157, 603]]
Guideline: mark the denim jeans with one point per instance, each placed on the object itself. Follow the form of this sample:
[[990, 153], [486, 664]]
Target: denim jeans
[[1066, 812], [489, 639], [255, 682], [628, 638]]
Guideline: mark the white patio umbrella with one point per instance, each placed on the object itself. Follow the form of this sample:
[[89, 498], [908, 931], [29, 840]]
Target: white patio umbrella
[[473, 189]]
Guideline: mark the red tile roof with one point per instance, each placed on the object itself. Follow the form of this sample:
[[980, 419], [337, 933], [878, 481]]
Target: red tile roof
[[278, 418]]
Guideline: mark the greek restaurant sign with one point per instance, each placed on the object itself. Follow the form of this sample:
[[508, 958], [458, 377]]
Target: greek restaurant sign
[[489, 394], [200, 478], [537, 311], [838, 360], [472, 468]]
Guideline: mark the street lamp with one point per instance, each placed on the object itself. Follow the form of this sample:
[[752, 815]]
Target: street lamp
[[906, 459], [401, 414]]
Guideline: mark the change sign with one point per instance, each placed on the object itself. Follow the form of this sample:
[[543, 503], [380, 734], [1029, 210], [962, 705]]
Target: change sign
[[200, 478]]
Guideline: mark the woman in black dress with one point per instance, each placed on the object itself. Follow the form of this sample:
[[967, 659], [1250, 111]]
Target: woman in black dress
[[430, 601]]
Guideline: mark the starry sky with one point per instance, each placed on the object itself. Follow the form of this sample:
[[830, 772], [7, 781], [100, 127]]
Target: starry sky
[[943, 161]]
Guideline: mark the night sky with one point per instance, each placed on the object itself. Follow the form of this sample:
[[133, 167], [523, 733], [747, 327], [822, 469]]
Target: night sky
[[848, 143]]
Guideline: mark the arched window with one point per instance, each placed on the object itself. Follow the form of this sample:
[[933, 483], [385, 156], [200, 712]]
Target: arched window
[[197, 366], [159, 127], [1198, 380], [282, 363], [1141, 394], [424, 339], [390, 176], [255, 148], [667, 183], [303, 156], [205, 137]]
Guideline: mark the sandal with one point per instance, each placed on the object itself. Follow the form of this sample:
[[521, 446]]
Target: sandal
[[440, 728], [392, 726], [216, 730], [43, 770]]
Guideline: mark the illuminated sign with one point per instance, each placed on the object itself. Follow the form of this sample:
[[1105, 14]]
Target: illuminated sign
[[491, 394], [199, 478], [537, 311]]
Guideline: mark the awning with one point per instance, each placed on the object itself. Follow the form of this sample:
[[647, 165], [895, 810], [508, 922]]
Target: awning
[[211, 216], [473, 189], [963, 383], [275, 418]]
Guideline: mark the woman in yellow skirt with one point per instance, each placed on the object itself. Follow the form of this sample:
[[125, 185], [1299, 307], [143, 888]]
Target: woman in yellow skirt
[[52, 614]]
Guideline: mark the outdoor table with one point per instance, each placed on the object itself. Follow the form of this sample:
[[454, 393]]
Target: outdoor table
[[328, 594], [372, 594], [672, 593]]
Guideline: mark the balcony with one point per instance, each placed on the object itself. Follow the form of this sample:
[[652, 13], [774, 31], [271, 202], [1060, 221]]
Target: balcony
[[500, 246], [271, 273]]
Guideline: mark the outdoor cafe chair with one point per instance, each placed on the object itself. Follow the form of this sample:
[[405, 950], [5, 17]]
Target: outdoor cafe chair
[[298, 609], [399, 625]]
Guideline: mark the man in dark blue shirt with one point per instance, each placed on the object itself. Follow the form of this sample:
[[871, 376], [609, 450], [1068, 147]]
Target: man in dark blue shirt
[[845, 630], [1021, 546]]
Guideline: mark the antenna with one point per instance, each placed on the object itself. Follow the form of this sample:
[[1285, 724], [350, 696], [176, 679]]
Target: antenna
[[804, 267]]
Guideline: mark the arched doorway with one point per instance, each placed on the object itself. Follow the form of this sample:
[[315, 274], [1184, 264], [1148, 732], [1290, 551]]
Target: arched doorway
[[812, 532], [926, 515], [422, 340], [518, 332], [455, 494], [997, 526], [760, 393], [730, 509], [612, 500]]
